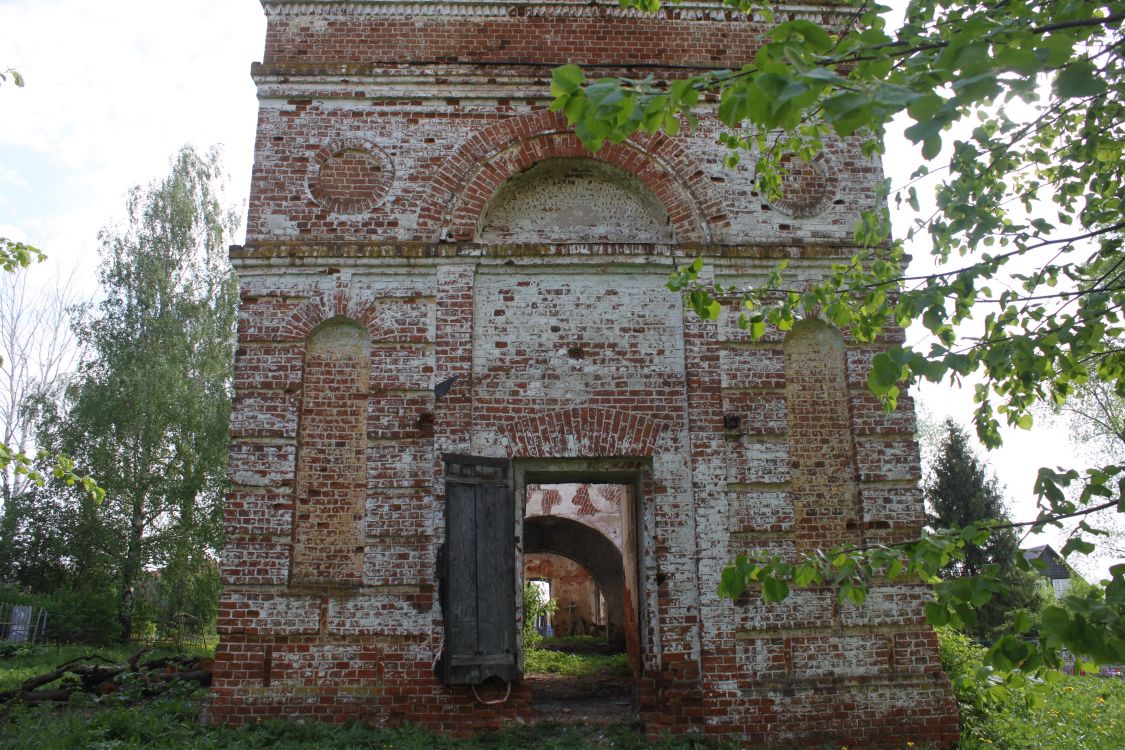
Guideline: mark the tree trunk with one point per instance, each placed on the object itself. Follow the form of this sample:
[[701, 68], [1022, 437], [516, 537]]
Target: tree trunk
[[130, 572]]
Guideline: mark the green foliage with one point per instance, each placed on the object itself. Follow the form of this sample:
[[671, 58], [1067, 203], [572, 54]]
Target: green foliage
[[534, 607], [14, 255], [13, 595], [1095, 418], [1075, 712], [59, 467], [16, 650], [962, 659], [1019, 117], [31, 661], [960, 494], [1090, 625], [170, 721], [576, 643], [949, 63], [545, 661], [149, 411], [15, 75], [1078, 712], [84, 611]]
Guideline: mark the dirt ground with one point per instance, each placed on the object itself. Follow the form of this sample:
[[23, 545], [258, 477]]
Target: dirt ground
[[582, 699]]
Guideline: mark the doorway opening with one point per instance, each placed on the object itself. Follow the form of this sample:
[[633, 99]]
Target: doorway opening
[[580, 551]]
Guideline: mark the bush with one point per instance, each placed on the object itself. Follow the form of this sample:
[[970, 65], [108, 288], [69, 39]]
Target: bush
[[962, 658], [534, 607], [13, 595], [74, 615], [1065, 712], [86, 615], [1076, 713], [20, 650]]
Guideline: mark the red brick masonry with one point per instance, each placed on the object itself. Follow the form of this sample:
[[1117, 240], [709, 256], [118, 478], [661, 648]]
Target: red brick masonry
[[385, 133]]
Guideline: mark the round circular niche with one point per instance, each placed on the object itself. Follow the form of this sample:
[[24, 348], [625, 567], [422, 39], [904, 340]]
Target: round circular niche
[[807, 189], [350, 177]]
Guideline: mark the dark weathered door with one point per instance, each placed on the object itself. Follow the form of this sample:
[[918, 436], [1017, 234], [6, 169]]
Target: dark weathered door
[[480, 571]]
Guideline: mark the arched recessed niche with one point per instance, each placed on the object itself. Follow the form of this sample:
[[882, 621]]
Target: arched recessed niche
[[822, 464], [569, 200], [332, 456]]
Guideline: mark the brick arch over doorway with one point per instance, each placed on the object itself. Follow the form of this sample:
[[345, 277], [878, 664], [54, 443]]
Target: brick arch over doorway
[[582, 432], [467, 181]]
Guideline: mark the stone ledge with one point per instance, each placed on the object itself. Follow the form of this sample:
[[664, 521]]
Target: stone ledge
[[296, 251]]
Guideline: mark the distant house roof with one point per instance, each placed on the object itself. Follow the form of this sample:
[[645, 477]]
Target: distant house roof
[[1052, 566]]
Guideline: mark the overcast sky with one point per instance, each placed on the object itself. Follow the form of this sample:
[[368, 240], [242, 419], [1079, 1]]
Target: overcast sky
[[115, 88]]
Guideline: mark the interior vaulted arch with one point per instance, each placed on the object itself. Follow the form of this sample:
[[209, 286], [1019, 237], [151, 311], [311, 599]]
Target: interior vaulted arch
[[590, 549]]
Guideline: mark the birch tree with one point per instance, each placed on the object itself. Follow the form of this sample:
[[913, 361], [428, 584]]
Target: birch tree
[[149, 410]]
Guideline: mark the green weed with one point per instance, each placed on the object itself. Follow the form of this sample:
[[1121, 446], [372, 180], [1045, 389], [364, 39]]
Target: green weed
[[167, 724], [581, 641], [33, 661], [1078, 713], [540, 661]]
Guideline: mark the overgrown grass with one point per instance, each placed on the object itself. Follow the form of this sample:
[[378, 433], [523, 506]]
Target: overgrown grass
[[26, 661], [573, 641], [541, 661], [169, 723], [1077, 713]]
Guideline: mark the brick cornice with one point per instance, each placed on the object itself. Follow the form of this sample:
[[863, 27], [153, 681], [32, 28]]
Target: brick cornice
[[300, 252], [687, 11]]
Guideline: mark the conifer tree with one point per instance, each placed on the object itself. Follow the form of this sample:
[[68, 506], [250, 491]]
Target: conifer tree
[[959, 492]]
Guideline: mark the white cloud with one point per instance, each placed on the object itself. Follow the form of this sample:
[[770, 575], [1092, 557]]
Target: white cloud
[[113, 90], [13, 233], [12, 178]]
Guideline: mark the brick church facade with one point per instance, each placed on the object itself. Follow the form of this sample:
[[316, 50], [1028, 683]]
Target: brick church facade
[[446, 300]]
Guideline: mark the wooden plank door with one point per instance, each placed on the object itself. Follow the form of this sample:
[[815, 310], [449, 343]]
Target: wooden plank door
[[480, 571]]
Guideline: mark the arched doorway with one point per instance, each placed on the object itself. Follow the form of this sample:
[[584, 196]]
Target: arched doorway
[[595, 558], [580, 538]]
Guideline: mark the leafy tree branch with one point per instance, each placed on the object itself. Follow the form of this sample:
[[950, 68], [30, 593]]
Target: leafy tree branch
[[7, 73], [13, 461], [16, 255], [1018, 111]]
